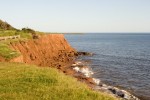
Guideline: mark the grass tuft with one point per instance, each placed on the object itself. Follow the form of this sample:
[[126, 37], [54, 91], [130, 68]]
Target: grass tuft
[[6, 52]]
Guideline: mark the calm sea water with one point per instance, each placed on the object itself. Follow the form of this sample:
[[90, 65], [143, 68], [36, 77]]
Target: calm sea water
[[121, 60]]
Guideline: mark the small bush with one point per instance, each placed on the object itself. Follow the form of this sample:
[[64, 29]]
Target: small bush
[[28, 30], [5, 26]]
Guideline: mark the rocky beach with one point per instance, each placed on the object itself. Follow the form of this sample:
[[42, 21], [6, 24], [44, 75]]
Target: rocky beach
[[84, 73]]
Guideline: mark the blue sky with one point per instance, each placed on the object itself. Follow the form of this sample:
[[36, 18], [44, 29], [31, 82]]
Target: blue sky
[[78, 15]]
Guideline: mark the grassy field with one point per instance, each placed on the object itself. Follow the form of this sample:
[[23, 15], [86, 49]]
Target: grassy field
[[28, 82]]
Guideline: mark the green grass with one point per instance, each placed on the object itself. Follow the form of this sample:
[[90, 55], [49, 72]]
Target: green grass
[[26, 82], [6, 52], [7, 30], [15, 32], [23, 34]]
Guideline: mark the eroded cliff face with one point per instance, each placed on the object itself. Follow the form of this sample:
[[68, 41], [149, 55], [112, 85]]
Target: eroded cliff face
[[49, 50]]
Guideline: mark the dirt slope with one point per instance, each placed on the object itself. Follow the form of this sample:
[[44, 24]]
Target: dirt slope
[[49, 50]]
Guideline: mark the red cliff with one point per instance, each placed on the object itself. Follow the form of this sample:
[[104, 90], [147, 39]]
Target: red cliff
[[49, 50]]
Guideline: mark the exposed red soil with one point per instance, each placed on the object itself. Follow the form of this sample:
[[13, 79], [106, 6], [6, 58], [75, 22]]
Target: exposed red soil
[[49, 50], [2, 59]]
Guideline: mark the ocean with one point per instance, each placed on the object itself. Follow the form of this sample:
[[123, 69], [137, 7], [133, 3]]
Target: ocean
[[121, 60]]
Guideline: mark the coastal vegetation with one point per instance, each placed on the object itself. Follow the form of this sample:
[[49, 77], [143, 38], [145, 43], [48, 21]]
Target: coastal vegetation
[[7, 30], [29, 82], [6, 52], [5, 26]]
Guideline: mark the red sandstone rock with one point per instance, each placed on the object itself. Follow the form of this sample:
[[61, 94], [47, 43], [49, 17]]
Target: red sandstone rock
[[49, 50]]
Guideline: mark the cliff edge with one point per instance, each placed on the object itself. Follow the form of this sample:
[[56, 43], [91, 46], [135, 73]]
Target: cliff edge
[[49, 50]]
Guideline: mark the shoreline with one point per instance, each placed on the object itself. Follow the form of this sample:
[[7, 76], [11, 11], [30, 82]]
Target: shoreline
[[82, 71], [64, 59]]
